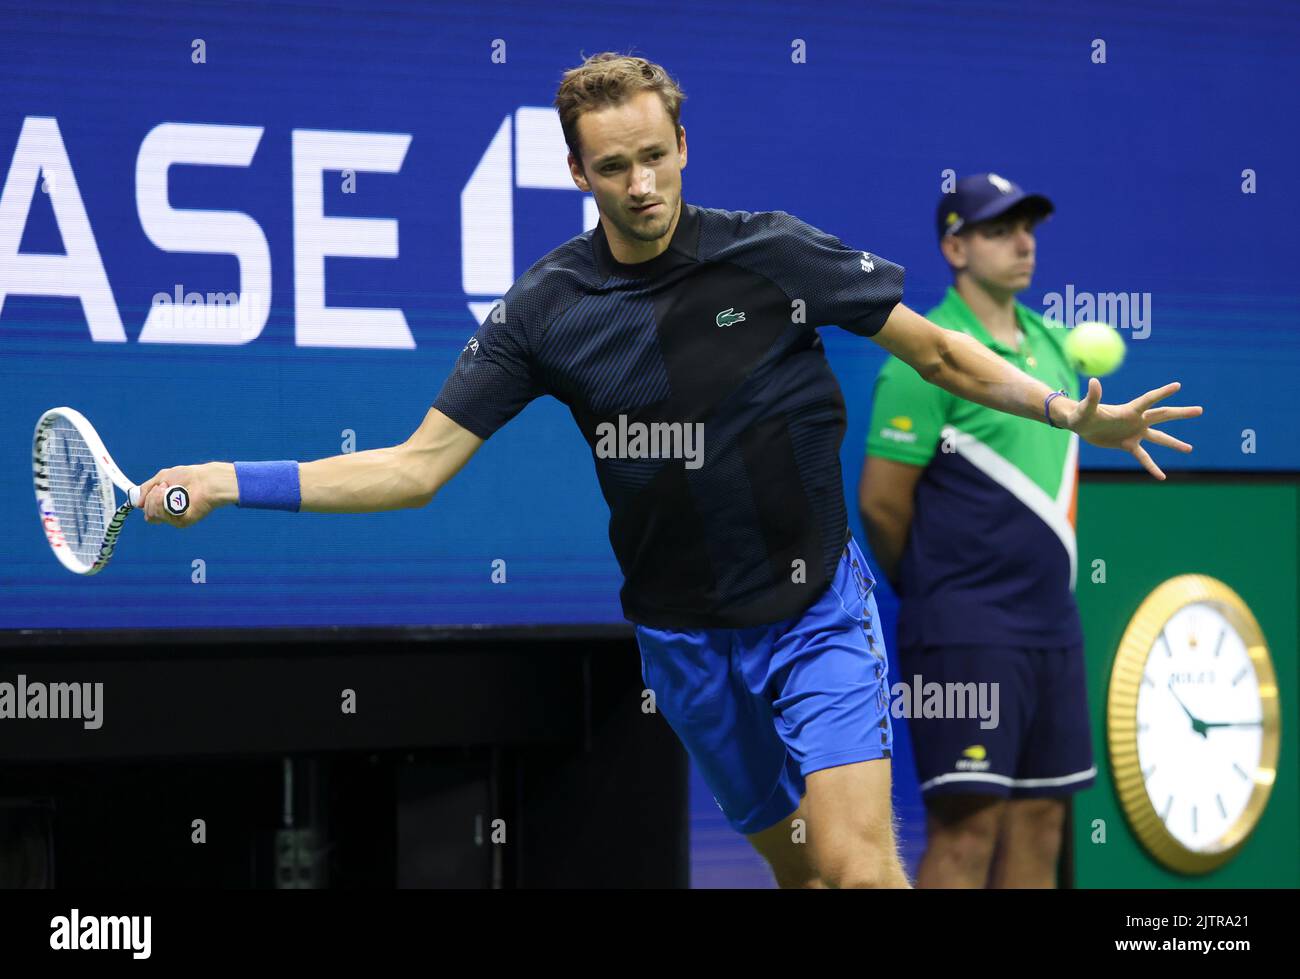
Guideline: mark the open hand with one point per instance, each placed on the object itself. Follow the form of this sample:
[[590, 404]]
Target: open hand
[[1126, 426]]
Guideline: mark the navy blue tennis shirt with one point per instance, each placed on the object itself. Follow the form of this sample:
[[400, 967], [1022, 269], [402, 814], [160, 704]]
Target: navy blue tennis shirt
[[700, 384]]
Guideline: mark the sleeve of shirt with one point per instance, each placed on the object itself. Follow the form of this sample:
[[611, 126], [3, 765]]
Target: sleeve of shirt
[[495, 375], [844, 286], [907, 415]]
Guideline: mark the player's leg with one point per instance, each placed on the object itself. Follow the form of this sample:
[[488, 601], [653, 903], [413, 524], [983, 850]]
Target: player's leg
[[1055, 763], [966, 759], [851, 826], [729, 733], [785, 848], [827, 677]]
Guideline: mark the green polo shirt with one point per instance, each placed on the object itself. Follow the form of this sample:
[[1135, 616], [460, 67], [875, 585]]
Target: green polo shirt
[[991, 554]]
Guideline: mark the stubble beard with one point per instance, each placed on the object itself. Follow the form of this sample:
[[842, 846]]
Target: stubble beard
[[652, 230]]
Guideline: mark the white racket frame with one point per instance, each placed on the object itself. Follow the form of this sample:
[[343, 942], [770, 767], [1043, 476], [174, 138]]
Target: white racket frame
[[109, 476]]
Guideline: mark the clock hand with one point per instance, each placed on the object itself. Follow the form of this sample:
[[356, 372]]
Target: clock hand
[[1210, 724], [1198, 726]]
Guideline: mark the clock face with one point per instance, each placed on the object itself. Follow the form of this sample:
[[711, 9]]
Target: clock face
[[1193, 723], [1199, 726]]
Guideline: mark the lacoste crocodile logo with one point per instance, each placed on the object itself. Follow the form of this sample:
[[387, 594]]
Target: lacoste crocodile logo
[[729, 316]]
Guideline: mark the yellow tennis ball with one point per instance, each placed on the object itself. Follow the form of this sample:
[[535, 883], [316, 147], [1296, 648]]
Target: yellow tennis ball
[[1097, 349]]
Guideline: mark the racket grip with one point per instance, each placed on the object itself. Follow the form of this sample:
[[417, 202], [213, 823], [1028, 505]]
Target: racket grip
[[175, 501]]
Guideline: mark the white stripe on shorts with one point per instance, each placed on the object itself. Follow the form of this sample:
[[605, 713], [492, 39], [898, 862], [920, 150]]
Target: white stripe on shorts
[[1015, 783]]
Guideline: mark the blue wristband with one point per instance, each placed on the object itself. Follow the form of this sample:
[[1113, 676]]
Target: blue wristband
[[1047, 407], [268, 485]]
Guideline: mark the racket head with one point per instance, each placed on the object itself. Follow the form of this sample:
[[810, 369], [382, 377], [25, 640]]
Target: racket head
[[74, 478]]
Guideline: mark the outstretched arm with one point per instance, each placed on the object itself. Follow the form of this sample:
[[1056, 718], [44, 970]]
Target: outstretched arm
[[961, 364], [392, 478]]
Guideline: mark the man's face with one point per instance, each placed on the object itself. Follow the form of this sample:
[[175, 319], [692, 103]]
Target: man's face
[[998, 254], [632, 164]]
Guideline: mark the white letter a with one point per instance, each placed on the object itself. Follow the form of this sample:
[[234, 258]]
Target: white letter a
[[80, 272]]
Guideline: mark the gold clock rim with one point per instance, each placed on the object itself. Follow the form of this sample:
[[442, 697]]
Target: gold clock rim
[[1121, 720]]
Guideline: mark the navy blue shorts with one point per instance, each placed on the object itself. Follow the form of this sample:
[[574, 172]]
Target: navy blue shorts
[[760, 708], [1041, 743]]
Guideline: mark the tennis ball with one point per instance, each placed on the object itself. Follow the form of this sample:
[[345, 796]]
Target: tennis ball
[[1097, 349]]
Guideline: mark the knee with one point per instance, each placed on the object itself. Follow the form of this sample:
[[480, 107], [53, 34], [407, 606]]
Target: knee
[[871, 863], [881, 872]]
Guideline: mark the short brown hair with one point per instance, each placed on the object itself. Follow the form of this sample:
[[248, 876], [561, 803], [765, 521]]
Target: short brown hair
[[608, 79]]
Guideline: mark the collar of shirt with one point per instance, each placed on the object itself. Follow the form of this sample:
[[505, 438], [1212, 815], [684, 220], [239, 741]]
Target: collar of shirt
[[956, 308], [683, 248]]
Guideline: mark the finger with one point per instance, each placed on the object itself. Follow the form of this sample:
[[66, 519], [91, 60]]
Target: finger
[[1167, 440], [1147, 464], [1159, 394], [1088, 407], [153, 506], [147, 486], [1154, 416], [161, 479]]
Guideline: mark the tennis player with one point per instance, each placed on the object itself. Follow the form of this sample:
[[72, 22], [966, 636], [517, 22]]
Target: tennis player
[[970, 513], [670, 324]]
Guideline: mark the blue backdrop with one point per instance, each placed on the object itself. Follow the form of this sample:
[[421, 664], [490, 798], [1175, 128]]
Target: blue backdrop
[[846, 115]]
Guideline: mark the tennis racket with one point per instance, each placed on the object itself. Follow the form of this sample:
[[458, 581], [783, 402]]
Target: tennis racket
[[75, 476]]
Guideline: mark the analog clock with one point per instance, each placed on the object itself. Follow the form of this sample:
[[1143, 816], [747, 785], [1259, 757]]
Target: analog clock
[[1192, 723]]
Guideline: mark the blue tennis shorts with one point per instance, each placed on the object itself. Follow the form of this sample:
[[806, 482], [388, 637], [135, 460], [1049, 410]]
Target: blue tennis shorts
[[760, 708]]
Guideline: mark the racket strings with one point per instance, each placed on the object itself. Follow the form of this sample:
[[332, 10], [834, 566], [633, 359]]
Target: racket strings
[[76, 489]]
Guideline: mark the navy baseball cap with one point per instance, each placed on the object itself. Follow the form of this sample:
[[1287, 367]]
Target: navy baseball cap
[[982, 197]]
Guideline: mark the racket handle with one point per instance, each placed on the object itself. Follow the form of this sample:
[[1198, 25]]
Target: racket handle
[[175, 501]]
